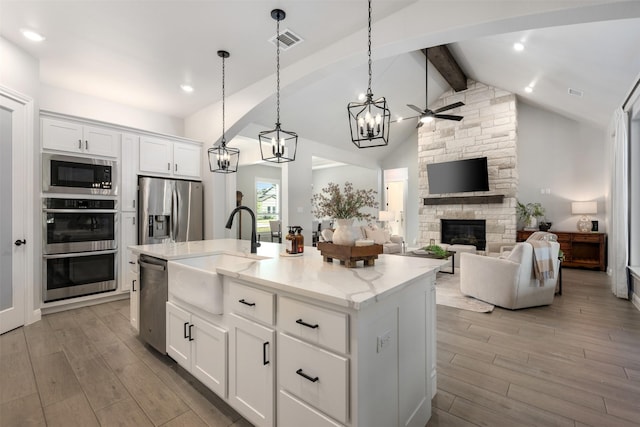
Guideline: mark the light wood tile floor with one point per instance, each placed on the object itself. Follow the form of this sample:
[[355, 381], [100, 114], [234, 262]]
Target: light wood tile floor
[[574, 363]]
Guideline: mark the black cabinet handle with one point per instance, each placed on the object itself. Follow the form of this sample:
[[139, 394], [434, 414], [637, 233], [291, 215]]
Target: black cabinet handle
[[250, 304], [20, 242], [264, 353], [190, 338], [86, 145], [301, 322], [303, 375], [185, 330], [133, 285], [79, 144]]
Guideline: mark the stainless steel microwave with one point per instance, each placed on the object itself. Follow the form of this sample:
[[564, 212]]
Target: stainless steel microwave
[[78, 175]]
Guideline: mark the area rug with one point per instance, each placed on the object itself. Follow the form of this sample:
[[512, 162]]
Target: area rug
[[448, 293]]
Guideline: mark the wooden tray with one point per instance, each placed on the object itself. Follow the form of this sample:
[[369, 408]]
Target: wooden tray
[[349, 255]]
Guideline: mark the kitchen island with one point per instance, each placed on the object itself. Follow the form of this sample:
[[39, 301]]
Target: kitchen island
[[288, 341]]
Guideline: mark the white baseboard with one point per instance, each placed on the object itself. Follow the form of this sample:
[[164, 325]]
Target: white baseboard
[[635, 299]]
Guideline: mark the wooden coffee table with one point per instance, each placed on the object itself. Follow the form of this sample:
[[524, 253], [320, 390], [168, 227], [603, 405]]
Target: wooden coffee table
[[433, 256]]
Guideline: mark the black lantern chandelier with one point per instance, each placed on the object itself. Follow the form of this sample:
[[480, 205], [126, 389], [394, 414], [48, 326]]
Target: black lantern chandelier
[[223, 159], [369, 120], [278, 145]]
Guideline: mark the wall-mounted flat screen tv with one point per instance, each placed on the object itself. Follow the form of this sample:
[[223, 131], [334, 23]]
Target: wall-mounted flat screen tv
[[458, 176]]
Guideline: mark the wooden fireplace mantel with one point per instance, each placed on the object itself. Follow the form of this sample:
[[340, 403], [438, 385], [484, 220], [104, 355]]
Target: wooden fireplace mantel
[[464, 200]]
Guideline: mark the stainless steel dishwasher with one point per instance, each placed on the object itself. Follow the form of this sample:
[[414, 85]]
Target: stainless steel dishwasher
[[154, 292]]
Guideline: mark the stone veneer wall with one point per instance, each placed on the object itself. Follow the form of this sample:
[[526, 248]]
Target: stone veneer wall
[[489, 128]]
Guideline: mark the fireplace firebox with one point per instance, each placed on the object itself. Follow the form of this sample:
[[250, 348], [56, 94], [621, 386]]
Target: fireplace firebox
[[464, 232]]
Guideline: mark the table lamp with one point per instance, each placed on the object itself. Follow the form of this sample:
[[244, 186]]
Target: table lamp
[[584, 209]]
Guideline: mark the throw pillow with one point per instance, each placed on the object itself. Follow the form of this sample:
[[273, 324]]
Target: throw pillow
[[378, 236], [327, 235]]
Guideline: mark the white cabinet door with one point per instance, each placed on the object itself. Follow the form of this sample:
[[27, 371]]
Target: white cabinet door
[[156, 155], [209, 355], [76, 138], [101, 142], [251, 370], [59, 135], [128, 236], [178, 344], [129, 172], [186, 159]]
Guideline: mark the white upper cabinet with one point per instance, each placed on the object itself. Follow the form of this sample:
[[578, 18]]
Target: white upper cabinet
[[77, 138], [129, 172], [169, 158], [186, 159]]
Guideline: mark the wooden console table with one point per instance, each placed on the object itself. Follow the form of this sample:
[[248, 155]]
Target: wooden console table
[[583, 250]]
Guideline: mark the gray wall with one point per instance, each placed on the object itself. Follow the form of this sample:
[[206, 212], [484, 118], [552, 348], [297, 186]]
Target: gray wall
[[562, 155], [361, 178], [406, 156]]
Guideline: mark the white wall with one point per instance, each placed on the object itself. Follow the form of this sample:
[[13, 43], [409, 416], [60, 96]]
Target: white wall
[[77, 104], [361, 178], [565, 156], [406, 156]]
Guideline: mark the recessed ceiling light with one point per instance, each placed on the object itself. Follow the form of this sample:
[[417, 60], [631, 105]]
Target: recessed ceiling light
[[187, 88], [528, 89], [32, 35], [518, 47]]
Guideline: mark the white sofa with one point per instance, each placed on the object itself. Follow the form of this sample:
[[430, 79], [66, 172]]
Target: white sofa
[[508, 282]]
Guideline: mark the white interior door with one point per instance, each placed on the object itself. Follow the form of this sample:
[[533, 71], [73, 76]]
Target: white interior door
[[396, 183], [13, 215]]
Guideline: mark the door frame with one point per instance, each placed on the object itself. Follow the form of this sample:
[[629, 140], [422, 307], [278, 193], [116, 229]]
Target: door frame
[[28, 178]]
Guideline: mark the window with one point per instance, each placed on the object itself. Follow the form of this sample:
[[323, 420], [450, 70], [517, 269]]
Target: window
[[267, 203]]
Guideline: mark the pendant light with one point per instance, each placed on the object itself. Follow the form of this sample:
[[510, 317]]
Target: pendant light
[[223, 159], [369, 120], [278, 145]]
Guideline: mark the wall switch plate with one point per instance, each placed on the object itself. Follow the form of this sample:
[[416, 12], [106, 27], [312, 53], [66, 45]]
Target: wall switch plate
[[383, 341]]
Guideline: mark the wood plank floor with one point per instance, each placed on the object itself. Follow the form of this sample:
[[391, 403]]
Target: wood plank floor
[[574, 363]]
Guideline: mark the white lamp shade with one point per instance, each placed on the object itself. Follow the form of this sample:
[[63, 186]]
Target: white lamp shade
[[584, 208], [386, 216]]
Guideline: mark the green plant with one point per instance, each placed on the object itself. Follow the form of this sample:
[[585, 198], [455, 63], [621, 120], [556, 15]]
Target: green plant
[[525, 212], [436, 250], [333, 203]]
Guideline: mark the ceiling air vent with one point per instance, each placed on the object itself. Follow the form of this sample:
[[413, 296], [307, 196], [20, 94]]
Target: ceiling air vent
[[575, 92], [288, 39]]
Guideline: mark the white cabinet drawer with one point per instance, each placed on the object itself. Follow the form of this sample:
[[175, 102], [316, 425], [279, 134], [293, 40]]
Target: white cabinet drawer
[[294, 413], [251, 302], [318, 325], [315, 376]]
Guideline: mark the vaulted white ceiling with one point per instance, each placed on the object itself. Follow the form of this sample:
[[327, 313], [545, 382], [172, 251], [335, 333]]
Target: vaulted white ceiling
[[138, 53]]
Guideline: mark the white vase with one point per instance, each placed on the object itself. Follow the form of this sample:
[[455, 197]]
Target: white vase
[[343, 234]]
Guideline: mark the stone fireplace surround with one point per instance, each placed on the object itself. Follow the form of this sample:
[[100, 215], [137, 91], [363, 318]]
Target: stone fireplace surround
[[489, 128]]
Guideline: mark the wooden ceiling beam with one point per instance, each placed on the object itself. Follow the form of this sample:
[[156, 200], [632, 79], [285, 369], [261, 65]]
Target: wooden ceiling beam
[[445, 63]]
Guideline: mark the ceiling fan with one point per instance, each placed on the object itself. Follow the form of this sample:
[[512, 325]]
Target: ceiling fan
[[428, 115]]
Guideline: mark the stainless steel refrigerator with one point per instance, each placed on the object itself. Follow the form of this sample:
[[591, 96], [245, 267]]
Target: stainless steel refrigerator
[[169, 210]]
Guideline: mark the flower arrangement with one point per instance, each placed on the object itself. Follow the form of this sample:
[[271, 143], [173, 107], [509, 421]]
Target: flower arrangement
[[333, 203]]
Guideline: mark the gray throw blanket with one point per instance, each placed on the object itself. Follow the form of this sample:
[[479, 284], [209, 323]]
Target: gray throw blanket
[[542, 260]]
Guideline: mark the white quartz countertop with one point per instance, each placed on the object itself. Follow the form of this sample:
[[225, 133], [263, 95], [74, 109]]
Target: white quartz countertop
[[307, 275]]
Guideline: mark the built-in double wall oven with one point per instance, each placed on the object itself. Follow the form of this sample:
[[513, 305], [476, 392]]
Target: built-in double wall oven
[[79, 233]]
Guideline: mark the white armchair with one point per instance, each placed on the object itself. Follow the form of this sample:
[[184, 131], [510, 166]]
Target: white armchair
[[508, 282]]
